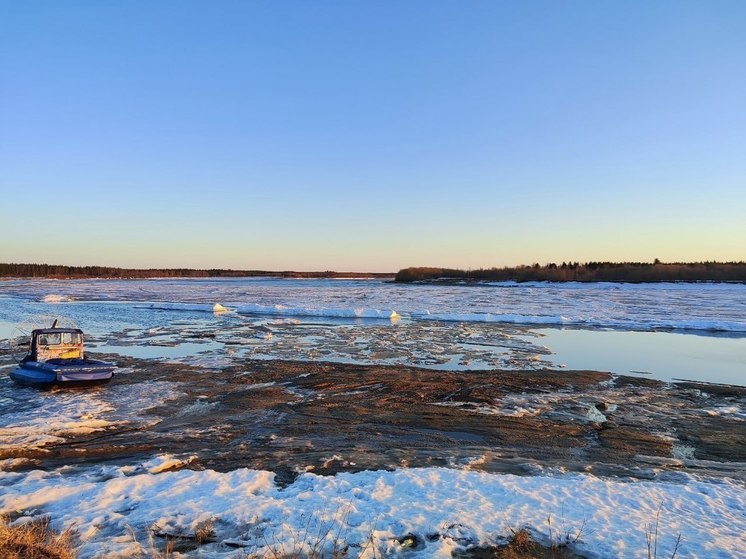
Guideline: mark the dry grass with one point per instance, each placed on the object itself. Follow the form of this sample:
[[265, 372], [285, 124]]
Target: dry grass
[[316, 540], [155, 553], [35, 540], [204, 532], [651, 537], [165, 546], [521, 545]]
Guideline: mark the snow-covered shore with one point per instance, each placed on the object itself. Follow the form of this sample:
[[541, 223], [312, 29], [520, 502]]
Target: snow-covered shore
[[442, 508]]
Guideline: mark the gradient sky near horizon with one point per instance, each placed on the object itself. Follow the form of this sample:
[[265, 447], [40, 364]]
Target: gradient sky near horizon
[[370, 136]]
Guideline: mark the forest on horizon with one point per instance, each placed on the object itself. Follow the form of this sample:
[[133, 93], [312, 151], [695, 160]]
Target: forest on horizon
[[12, 270], [635, 272]]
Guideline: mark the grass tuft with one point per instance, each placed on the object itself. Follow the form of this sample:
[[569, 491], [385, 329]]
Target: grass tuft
[[204, 532], [521, 541], [651, 538], [35, 540]]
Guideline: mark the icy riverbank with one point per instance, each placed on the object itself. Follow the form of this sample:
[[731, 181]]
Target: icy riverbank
[[373, 511]]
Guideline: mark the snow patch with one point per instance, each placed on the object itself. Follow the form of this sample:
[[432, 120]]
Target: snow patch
[[683, 452], [594, 415], [430, 510], [53, 416], [167, 462], [736, 411]]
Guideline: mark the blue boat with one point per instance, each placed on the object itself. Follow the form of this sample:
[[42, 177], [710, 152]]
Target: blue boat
[[56, 358]]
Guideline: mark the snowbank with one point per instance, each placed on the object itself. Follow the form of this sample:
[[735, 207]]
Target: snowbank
[[275, 310], [443, 508]]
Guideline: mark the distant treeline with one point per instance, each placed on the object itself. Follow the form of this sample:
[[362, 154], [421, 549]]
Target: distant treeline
[[72, 272], [590, 271]]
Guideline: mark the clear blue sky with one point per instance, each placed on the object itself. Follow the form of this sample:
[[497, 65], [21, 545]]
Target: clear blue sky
[[371, 135]]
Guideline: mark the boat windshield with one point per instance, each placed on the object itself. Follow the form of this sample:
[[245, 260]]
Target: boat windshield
[[50, 339], [60, 338], [72, 338]]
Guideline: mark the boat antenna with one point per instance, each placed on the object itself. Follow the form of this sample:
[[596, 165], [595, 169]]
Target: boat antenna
[[54, 324]]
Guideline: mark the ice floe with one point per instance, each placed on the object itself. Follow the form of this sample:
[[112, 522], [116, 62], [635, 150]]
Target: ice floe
[[283, 310], [54, 298]]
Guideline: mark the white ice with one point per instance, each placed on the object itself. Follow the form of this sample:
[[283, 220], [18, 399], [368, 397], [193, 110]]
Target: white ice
[[685, 306]]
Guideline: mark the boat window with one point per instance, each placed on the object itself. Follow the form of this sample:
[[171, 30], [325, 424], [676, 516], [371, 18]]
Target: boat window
[[49, 339], [71, 338]]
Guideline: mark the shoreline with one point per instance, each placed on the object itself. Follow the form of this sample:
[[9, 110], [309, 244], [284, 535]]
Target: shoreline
[[385, 277], [489, 283], [279, 275]]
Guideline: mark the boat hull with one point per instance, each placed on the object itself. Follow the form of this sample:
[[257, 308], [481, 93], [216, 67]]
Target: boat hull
[[63, 372]]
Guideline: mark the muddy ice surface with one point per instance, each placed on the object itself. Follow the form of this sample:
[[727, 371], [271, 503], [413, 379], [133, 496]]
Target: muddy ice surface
[[230, 407]]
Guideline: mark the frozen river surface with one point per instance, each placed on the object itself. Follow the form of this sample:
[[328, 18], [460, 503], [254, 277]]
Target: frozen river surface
[[669, 331]]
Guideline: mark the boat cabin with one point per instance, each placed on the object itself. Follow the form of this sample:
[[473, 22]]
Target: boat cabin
[[55, 343]]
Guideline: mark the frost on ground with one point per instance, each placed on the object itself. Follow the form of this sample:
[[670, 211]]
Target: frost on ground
[[429, 512], [35, 420]]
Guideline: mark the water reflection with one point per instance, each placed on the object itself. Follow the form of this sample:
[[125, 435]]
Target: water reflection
[[663, 355]]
